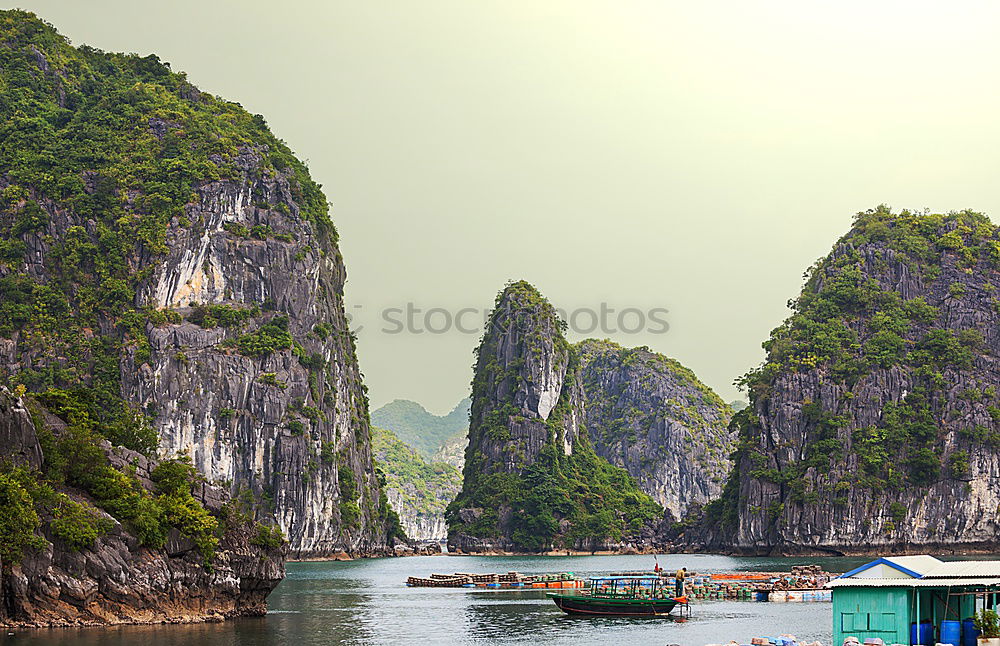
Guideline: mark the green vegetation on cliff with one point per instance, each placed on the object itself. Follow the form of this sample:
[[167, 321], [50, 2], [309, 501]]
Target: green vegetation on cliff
[[903, 300], [19, 520], [601, 502], [74, 458], [99, 154], [421, 487], [849, 323]]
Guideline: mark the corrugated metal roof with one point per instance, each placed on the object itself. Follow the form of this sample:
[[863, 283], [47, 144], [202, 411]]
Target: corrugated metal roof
[[912, 583], [920, 563], [894, 567], [953, 569], [929, 572]]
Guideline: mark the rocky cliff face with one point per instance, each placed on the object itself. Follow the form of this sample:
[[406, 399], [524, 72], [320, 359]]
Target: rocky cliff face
[[522, 372], [284, 423], [452, 452], [162, 251], [418, 525], [68, 562], [419, 491], [653, 417], [874, 421], [531, 478]]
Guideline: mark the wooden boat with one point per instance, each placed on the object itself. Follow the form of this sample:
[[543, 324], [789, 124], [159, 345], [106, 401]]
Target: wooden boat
[[621, 596], [439, 582]]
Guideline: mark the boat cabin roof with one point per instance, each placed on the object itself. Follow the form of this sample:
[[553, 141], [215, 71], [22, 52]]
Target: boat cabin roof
[[625, 578]]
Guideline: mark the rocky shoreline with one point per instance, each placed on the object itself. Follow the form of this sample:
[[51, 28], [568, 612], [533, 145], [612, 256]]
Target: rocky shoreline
[[849, 551], [115, 580], [398, 551], [629, 550]]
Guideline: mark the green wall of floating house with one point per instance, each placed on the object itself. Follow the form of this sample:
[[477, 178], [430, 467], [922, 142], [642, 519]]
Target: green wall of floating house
[[887, 612], [871, 612]]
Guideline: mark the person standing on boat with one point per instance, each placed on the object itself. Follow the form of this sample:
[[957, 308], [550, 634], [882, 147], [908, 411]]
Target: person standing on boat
[[679, 581]]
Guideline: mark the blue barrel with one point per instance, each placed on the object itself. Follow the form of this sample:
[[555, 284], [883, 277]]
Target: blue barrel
[[926, 635], [926, 632], [951, 632], [969, 632]]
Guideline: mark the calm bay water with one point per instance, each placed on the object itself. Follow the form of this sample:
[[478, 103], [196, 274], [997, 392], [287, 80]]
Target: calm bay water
[[366, 602]]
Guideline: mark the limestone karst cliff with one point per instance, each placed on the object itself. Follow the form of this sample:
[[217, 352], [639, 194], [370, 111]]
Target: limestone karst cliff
[[532, 481], [452, 452], [95, 535], [418, 490], [162, 252], [653, 417], [874, 423]]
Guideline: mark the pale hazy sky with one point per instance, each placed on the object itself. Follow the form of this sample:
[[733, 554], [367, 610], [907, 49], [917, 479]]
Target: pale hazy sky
[[695, 156]]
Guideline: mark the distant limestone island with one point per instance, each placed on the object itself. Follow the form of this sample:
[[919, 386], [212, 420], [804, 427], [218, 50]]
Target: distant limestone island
[[433, 436], [637, 429], [421, 457], [589, 448]]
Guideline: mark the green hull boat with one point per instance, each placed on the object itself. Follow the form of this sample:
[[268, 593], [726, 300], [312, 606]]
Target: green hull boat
[[620, 597]]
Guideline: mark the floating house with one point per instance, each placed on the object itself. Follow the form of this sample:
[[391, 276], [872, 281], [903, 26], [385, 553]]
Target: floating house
[[913, 600]]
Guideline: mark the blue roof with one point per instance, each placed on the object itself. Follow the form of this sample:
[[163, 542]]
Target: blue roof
[[882, 561]]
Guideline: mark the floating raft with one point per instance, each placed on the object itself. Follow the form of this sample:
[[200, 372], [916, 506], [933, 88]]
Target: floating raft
[[802, 583], [511, 580]]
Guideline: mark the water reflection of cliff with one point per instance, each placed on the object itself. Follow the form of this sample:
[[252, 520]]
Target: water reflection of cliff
[[306, 613], [516, 617]]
